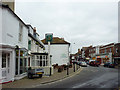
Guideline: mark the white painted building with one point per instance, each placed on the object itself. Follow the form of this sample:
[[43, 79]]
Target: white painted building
[[59, 49], [13, 46], [37, 57]]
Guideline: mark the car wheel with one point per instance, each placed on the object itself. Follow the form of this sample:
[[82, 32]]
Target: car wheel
[[30, 76], [40, 75]]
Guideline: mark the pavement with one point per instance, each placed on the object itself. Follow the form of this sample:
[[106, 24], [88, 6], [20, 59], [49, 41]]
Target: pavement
[[31, 83]]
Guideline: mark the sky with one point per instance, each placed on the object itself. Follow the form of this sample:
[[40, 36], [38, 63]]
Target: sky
[[82, 23]]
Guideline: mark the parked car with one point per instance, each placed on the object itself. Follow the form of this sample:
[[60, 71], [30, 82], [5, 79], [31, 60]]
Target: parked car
[[79, 63], [83, 64], [33, 71], [106, 64], [109, 64], [94, 63], [87, 62]]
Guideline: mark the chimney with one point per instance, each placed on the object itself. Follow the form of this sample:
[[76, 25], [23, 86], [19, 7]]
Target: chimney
[[34, 29], [34, 32]]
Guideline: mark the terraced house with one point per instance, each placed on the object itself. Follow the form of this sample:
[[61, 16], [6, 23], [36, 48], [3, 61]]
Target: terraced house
[[20, 47], [37, 57], [13, 46]]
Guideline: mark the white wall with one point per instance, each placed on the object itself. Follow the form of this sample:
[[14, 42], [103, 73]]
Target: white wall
[[59, 52], [0, 25], [10, 28]]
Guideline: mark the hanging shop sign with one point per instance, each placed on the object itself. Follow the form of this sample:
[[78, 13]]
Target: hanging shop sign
[[49, 37]]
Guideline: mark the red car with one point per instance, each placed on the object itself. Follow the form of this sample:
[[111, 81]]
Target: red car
[[94, 63]]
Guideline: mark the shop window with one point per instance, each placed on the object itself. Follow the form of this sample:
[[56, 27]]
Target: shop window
[[43, 63], [33, 62], [40, 57], [17, 53], [16, 72], [21, 66], [40, 63], [25, 64], [3, 60], [37, 57], [43, 57]]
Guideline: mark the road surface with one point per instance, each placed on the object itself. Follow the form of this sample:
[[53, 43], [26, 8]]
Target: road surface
[[89, 77]]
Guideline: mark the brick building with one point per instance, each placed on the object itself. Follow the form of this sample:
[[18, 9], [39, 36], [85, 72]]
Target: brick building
[[117, 53], [106, 53], [93, 51]]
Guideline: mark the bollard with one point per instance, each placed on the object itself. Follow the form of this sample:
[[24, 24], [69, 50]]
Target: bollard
[[77, 67], [67, 70], [74, 67], [50, 71]]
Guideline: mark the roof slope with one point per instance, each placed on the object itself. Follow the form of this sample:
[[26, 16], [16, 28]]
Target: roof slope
[[56, 40]]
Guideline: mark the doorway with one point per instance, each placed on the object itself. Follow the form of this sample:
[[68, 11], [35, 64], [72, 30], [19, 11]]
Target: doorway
[[5, 65]]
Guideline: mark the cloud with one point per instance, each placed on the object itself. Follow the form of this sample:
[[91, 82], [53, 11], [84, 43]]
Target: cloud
[[78, 22]]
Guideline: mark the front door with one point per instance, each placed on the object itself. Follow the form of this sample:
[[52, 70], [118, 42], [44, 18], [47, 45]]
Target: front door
[[5, 66]]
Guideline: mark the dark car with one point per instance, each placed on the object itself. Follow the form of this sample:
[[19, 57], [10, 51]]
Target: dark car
[[94, 63], [106, 64], [109, 64]]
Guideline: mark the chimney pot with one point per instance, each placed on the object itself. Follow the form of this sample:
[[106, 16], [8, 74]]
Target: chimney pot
[[34, 29]]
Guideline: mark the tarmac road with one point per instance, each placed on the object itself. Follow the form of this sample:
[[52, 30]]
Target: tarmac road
[[89, 77]]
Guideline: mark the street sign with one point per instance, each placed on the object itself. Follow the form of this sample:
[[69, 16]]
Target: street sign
[[49, 37]]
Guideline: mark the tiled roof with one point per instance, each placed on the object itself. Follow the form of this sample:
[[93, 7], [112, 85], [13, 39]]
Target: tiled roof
[[56, 40]]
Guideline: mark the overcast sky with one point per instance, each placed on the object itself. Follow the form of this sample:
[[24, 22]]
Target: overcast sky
[[80, 23]]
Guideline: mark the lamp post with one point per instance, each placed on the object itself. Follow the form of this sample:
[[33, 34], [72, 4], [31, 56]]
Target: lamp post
[[49, 38]]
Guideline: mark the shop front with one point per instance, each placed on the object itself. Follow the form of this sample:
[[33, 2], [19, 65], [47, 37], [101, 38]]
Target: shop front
[[7, 64], [21, 63], [103, 58]]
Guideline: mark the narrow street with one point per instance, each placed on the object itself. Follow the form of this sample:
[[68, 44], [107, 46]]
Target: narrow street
[[89, 77]]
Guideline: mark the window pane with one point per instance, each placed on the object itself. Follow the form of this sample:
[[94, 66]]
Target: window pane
[[3, 60], [43, 63], [40, 58], [40, 63], [37, 57], [16, 66]]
